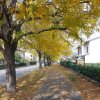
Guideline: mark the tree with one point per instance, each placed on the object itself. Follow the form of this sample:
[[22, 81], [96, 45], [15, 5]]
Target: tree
[[51, 46], [15, 15], [33, 42]]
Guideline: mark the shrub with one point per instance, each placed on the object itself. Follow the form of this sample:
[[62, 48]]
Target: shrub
[[20, 64], [17, 65], [2, 67], [89, 71], [33, 63]]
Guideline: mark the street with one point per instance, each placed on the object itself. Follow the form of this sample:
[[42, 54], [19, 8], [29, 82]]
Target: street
[[19, 72]]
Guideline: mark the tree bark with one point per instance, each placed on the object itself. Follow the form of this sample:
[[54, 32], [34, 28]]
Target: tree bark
[[48, 60], [44, 60], [39, 56], [9, 54]]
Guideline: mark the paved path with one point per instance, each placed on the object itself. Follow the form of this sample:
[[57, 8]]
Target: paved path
[[56, 87], [19, 72]]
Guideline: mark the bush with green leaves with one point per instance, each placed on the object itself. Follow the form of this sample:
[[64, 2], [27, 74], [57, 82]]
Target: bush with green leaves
[[18, 57], [2, 67], [32, 62], [20, 64], [92, 72], [19, 60]]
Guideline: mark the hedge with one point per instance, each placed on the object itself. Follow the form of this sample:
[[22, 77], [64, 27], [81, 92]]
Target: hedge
[[17, 65], [92, 72], [2, 67], [33, 63], [20, 64]]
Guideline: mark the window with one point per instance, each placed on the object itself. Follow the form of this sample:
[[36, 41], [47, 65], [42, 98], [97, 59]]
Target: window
[[86, 47], [79, 50]]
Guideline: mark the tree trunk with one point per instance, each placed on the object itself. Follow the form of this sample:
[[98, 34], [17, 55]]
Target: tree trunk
[[9, 54], [48, 60], [39, 56], [44, 60]]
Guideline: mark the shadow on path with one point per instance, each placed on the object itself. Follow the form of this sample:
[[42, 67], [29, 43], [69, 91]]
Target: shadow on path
[[56, 87]]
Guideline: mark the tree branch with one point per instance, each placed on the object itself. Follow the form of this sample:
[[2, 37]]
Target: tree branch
[[1, 34], [25, 20], [7, 16], [41, 31], [21, 22]]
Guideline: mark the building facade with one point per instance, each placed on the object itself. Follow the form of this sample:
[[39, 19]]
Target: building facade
[[89, 52]]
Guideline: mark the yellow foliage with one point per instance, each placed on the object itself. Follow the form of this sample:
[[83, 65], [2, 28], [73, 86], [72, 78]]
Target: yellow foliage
[[68, 14], [1, 56], [49, 43]]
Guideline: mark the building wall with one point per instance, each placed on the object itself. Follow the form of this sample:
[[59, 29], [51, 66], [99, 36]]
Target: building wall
[[25, 55], [94, 51], [28, 56]]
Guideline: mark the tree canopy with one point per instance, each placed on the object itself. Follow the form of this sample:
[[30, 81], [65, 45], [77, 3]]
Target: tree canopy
[[19, 18], [25, 17], [50, 43]]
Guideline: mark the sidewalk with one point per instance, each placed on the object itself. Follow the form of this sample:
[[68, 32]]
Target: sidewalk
[[56, 87], [20, 72]]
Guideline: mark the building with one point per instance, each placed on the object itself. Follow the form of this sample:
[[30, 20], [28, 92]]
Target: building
[[89, 51], [27, 56]]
